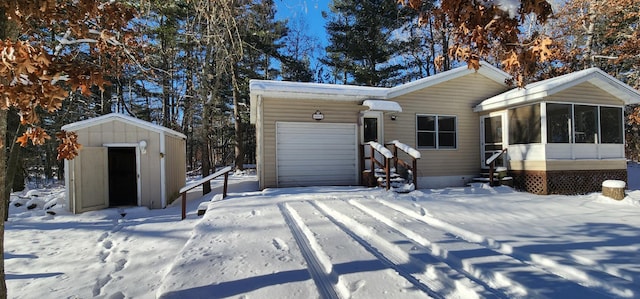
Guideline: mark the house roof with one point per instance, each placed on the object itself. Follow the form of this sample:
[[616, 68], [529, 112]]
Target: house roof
[[538, 90], [124, 118], [335, 92]]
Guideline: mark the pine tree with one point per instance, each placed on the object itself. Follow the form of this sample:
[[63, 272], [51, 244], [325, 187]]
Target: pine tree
[[361, 41]]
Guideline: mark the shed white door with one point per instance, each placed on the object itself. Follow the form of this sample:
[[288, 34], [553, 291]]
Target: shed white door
[[316, 154], [91, 179]]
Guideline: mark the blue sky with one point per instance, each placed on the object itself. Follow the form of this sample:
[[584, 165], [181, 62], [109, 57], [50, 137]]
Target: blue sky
[[309, 10]]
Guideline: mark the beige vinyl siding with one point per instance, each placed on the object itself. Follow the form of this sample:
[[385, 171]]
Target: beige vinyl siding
[[455, 97], [175, 168], [293, 110], [585, 93]]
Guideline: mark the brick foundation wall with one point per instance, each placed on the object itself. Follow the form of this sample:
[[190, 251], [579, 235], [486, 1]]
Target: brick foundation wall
[[567, 182]]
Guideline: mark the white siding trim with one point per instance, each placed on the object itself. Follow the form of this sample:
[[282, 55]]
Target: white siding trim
[[67, 182], [163, 171]]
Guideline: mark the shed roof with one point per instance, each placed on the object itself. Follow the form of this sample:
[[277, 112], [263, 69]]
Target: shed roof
[[124, 118], [538, 90]]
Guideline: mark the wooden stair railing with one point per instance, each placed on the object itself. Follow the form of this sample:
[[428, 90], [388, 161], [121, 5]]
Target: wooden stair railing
[[492, 164], [413, 153], [386, 164]]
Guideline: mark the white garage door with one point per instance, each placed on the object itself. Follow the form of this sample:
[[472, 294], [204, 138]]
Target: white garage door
[[316, 154]]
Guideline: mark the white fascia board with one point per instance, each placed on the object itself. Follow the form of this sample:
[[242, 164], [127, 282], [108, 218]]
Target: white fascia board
[[304, 90], [124, 118], [341, 97], [509, 99]]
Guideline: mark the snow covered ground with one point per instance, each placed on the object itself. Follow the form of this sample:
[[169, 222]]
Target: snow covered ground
[[333, 242]]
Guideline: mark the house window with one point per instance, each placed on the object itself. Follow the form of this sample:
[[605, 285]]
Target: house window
[[436, 131], [611, 125], [524, 125]]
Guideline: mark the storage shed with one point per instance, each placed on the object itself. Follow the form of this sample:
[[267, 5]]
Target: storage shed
[[124, 161]]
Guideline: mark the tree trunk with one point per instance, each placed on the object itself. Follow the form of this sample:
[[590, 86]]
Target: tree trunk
[[206, 159], [4, 200], [239, 160], [588, 49]]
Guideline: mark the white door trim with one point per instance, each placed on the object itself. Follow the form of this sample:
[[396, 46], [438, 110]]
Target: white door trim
[[138, 155]]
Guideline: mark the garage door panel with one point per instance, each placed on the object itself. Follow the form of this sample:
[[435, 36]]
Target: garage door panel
[[317, 139], [333, 154], [315, 154], [318, 169]]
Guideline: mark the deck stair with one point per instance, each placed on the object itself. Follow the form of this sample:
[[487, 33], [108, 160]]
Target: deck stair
[[397, 181], [495, 176], [390, 171], [499, 178]]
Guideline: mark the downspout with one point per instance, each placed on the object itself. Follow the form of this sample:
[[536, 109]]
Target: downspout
[[163, 172]]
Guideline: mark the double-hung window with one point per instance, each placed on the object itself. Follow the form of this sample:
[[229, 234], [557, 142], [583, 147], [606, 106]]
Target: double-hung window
[[436, 131]]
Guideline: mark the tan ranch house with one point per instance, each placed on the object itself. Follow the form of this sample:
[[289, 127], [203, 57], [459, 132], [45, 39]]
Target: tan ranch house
[[561, 135]]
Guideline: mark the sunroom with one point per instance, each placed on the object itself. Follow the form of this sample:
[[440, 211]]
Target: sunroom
[[563, 135]]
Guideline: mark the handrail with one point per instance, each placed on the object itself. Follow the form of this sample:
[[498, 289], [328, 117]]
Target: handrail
[[183, 191], [491, 161], [413, 153], [377, 147]]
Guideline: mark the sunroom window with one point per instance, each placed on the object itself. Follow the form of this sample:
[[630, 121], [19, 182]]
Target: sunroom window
[[586, 124], [524, 124], [558, 123], [611, 125], [571, 123]]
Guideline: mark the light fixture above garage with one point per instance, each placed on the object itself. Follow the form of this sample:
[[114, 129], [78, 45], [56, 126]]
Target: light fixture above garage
[[317, 115]]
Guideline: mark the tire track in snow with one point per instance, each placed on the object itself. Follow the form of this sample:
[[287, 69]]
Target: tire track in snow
[[596, 280], [443, 255], [434, 278], [319, 265], [361, 272]]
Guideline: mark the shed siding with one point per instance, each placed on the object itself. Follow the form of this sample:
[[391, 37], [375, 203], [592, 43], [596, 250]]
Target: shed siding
[[120, 132], [455, 97], [292, 110], [586, 93], [175, 167]]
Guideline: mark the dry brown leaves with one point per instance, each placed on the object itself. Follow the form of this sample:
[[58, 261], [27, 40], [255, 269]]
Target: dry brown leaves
[[69, 146], [31, 78], [482, 28], [37, 136]]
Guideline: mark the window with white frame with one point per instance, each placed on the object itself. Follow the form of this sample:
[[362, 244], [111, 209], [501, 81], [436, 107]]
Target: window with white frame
[[436, 131]]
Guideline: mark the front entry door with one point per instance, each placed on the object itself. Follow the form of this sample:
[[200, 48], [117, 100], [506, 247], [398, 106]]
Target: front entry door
[[370, 130], [492, 138], [123, 189]]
